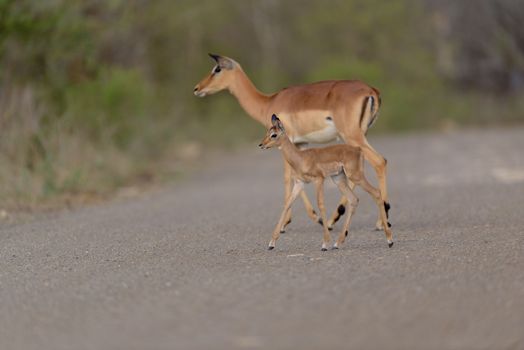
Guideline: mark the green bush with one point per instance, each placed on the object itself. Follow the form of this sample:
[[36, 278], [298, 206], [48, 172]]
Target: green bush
[[98, 94], [117, 105]]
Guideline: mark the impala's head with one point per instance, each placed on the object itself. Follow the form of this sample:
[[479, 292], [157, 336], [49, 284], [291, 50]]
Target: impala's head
[[274, 134], [219, 78]]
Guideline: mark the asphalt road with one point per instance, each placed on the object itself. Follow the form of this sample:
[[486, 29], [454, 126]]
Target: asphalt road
[[186, 267]]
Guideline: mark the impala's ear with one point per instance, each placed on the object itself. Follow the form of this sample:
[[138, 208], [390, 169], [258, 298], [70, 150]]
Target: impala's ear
[[223, 62], [276, 122], [213, 56]]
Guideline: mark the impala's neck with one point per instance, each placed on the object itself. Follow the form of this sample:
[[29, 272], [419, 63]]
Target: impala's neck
[[291, 152], [252, 101]]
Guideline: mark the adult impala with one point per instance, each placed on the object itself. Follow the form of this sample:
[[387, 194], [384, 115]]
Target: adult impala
[[312, 113]]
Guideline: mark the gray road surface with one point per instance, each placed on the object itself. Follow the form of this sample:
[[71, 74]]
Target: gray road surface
[[186, 267]]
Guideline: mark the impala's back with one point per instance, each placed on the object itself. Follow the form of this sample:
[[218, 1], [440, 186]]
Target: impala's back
[[331, 159]]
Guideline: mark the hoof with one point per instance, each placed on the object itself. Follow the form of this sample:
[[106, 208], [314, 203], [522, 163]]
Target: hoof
[[324, 249], [390, 244], [270, 248], [283, 230], [334, 248]]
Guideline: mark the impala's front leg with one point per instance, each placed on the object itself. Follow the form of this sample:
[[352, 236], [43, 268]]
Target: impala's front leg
[[320, 199], [288, 183], [297, 188]]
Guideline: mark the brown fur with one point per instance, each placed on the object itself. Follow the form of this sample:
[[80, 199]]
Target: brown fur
[[342, 163], [303, 110]]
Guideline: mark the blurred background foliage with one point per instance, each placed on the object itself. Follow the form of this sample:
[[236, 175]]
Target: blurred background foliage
[[97, 94]]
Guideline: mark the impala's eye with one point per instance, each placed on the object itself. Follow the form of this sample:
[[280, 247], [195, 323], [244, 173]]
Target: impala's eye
[[217, 69], [273, 136]]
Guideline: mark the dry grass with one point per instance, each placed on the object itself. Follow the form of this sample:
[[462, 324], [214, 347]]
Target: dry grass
[[49, 166]]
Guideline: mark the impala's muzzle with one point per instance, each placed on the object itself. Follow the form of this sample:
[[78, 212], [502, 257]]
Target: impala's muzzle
[[198, 92]]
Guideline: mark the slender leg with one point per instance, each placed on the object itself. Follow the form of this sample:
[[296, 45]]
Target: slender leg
[[309, 207], [342, 204], [382, 206], [347, 190], [337, 214], [379, 164], [287, 187], [297, 188], [378, 225], [320, 200], [287, 192]]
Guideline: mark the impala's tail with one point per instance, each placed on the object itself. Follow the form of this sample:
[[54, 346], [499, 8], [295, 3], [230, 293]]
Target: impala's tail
[[370, 108]]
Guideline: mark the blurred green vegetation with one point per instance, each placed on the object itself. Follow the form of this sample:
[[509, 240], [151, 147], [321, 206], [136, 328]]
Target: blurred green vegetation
[[95, 95]]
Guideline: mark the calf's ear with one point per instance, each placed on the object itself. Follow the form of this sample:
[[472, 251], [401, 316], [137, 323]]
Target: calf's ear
[[276, 122]]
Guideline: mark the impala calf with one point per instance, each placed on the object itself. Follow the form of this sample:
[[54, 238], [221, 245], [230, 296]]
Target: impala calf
[[342, 163], [319, 112]]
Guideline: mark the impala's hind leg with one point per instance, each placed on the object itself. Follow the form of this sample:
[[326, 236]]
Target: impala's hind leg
[[345, 187], [382, 206], [379, 164], [341, 210]]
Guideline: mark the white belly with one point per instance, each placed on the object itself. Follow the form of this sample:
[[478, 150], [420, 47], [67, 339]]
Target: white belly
[[327, 134]]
